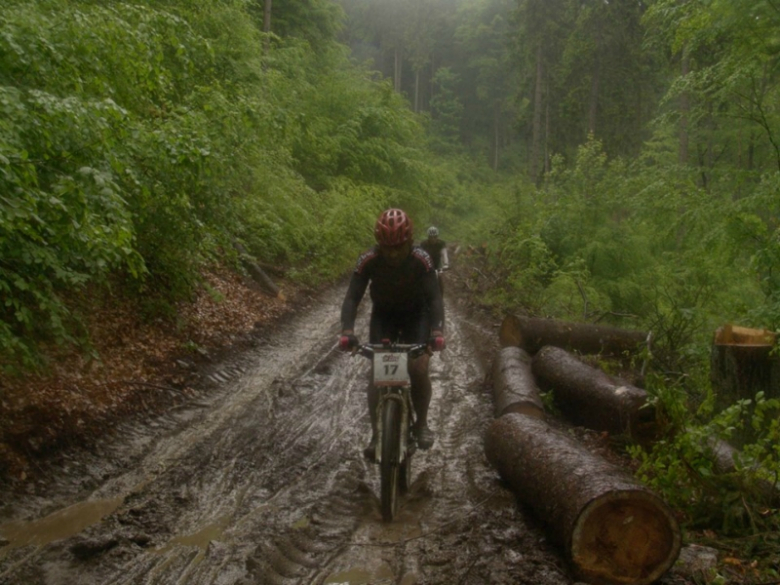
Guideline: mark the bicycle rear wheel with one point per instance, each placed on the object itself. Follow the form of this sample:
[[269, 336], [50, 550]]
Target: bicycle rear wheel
[[390, 468]]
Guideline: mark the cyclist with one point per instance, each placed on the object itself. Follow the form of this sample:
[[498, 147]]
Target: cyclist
[[406, 307], [436, 248]]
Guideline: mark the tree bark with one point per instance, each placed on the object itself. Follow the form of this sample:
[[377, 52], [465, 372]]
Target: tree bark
[[531, 334], [613, 529], [514, 386], [590, 398]]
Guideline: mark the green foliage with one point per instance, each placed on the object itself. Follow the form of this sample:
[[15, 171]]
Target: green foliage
[[689, 469], [446, 107], [142, 140], [642, 245]]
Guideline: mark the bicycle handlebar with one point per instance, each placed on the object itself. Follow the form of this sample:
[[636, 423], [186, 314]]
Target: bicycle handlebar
[[413, 349]]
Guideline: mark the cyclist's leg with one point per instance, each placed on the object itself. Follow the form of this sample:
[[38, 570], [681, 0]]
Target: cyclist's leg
[[417, 330], [421, 388]]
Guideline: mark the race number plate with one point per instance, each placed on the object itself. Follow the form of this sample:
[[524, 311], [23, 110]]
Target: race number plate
[[390, 369]]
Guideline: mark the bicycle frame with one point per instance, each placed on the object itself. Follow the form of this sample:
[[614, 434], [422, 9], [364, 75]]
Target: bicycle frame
[[393, 385], [393, 447]]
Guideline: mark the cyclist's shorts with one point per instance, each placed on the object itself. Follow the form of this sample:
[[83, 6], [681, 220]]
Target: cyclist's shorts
[[402, 327]]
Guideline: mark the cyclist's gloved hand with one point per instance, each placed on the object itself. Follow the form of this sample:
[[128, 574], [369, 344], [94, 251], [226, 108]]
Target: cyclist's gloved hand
[[436, 342], [347, 341]]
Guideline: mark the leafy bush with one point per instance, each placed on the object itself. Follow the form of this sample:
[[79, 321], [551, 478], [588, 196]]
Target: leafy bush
[[142, 140], [686, 470]]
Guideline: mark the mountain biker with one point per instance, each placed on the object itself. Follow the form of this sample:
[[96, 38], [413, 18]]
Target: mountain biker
[[437, 250], [406, 307]]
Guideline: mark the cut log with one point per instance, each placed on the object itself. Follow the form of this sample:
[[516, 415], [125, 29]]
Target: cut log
[[613, 529], [514, 386], [590, 398], [257, 274], [532, 334], [725, 456]]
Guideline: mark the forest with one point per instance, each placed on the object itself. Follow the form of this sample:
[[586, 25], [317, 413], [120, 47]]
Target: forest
[[616, 161]]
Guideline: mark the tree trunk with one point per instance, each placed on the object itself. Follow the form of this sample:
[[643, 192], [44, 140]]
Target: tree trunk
[[496, 132], [417, 91], [743, 363], [594, 98], [537, 124], [267, 16], [546, 138], [531, 334], [514, 387], [258, 274], [613, 529], [685, 107], [590, 398], [397, 62], [267, 28]]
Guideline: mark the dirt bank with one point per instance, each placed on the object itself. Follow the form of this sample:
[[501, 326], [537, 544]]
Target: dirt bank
[[137, 367]]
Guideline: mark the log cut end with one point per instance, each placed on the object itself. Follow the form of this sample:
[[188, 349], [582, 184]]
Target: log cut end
[[626, 537]]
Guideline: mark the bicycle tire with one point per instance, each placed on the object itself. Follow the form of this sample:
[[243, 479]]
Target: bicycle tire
[[390, 467]]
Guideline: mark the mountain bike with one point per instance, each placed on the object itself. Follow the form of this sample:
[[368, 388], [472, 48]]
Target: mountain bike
[[394, 418]]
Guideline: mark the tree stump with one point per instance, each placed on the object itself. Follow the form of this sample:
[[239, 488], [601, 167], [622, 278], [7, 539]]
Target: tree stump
[[532, 334], [744, 362], [613, 529], [590, 398], [514, 386]]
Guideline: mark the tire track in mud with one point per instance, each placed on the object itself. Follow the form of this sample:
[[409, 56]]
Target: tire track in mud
[[263, 482]]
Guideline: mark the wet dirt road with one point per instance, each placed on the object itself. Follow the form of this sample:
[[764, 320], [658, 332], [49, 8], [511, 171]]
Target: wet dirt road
[[260, 479]]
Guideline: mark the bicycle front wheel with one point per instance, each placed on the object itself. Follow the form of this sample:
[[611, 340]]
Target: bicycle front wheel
[[405, 475], [390, 468]]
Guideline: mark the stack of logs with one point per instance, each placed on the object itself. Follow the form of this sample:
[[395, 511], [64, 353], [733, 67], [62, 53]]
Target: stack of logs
[[613, 529]]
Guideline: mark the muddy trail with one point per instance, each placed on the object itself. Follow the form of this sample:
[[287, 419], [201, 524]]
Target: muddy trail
[[260, 479]]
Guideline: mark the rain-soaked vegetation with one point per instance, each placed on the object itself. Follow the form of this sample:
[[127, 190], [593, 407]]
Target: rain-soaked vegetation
[[613, 162]]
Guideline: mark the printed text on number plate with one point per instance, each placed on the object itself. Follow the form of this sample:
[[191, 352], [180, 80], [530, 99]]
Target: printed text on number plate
[[390, 369]]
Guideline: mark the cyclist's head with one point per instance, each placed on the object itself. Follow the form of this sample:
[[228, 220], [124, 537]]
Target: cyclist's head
[[393, 228], [433, 232], [393, 232]]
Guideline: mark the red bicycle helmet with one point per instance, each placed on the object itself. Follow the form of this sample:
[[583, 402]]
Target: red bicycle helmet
[[393, 228]]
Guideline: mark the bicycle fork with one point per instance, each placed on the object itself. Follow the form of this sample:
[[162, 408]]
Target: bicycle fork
[[403, 397]]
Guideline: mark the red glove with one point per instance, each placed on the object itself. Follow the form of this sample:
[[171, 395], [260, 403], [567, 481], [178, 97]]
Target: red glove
[[348, 341], [436, 342]]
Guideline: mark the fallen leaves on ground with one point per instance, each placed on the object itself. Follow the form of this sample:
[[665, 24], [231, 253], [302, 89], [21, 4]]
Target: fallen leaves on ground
[[132, 370]]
